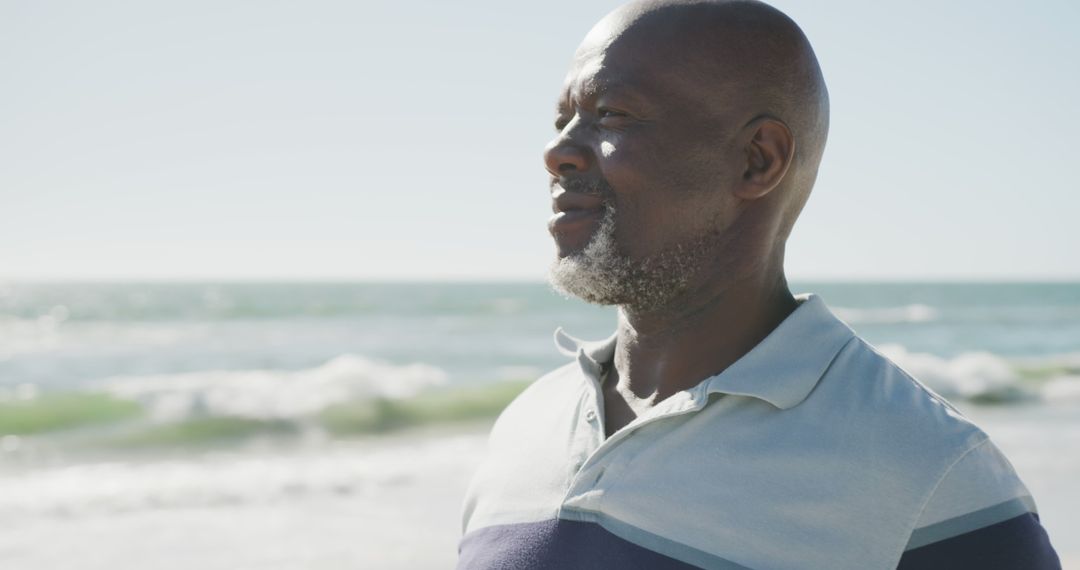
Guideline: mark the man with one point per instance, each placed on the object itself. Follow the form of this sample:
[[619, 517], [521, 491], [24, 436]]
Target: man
[[726, 423]]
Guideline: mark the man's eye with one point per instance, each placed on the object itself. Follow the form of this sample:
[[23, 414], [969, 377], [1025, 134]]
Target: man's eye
[[604, 113]]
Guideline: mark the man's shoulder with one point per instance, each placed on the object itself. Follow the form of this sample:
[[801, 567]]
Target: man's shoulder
[[916, 457], [868, 390], [556, 383], [545, 399]]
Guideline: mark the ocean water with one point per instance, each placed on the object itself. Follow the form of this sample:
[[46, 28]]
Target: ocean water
[[63, 337], [162, 406]]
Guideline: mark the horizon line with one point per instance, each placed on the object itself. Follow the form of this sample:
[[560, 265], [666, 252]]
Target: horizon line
[[77, 280]]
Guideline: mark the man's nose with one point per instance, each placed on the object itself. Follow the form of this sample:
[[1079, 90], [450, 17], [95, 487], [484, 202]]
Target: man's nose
[[565, 154]]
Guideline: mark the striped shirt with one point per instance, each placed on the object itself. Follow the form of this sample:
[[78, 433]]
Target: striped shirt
[[811, 451]]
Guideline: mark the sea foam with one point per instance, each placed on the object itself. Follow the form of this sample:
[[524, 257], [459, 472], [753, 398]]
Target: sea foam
[[1062, 389], [913, 313], [229, 479]]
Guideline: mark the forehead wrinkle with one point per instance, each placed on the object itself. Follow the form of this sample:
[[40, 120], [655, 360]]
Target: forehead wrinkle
[[596, 79]]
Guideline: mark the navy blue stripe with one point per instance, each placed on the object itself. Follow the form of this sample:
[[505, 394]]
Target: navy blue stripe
[[1019, 542], [556, 545], [971, 521], [653, 542]]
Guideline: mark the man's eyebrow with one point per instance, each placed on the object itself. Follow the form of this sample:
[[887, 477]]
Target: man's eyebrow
[[597, 88]]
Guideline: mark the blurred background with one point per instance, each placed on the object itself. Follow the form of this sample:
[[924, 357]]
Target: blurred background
[[268, 270]]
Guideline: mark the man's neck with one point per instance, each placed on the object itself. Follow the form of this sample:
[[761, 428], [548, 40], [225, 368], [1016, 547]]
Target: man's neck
[[662, 352]]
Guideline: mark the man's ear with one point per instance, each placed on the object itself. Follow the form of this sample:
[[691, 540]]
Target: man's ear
[[768, 147]]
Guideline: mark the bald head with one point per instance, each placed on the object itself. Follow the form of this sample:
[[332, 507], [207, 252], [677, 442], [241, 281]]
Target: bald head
[[700, 125], [744, 53]]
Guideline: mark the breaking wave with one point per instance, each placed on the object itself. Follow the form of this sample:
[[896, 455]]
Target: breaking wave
[[986, 378], [273, 394], [348, 395]]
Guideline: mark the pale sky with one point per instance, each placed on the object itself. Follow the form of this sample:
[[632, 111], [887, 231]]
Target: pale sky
[[324, 139]]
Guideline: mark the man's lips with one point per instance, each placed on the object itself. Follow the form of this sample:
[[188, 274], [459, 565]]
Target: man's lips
[[573, 211], [564, 201], [564, 221]]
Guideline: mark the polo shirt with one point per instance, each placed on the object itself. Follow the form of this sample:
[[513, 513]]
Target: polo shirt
[[813, 450]]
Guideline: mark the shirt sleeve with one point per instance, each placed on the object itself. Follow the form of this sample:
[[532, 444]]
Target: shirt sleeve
[[980, 516]]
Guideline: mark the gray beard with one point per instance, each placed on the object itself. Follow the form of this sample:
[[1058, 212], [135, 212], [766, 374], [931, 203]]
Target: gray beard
[[601, 274]]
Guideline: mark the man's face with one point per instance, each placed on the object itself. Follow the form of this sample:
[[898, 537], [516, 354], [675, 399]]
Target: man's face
[[645, 153]]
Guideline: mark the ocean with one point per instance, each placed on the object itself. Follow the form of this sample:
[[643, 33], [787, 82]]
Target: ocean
[[328, 423]]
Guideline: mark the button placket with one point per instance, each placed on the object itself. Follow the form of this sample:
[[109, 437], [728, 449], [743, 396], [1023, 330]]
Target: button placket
[[585, 441], [590, 467]]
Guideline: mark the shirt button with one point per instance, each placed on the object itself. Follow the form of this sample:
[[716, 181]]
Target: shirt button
[[590, 415]]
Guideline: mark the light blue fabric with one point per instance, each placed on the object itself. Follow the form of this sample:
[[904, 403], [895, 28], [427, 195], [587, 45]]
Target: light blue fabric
[[811, 451]]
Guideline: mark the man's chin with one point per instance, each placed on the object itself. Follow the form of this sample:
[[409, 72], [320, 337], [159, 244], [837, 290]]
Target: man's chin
[[587, 263], [577, 275], [574, 288], [567, 251], [570, 245]]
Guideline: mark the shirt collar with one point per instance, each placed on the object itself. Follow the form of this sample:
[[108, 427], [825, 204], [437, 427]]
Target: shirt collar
[[590, 354], [782, 369]]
